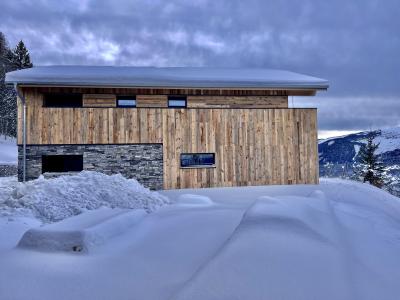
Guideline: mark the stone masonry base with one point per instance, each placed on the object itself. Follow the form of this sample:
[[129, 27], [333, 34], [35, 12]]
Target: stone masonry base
[[144, 162]]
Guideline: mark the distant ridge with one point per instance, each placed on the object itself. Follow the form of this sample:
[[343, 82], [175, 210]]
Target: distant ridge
[[339, 155]]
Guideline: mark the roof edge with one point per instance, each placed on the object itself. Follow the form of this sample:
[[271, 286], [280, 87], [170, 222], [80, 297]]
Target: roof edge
[[322, 87]]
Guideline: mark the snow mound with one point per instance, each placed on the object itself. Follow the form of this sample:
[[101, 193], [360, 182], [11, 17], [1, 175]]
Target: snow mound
[[318, 194], [52, 200], [336, 240], [83, 232], [194, 200], [329, 244]]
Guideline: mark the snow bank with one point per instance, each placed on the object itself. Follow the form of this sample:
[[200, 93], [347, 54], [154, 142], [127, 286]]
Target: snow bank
[[83, 232], [336, 240], [12, 229], [194, 200], [340, 242], [52, 200]]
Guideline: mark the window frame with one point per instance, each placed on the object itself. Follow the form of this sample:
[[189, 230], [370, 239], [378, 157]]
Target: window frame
[[198, 166], [45, 101], [46, 160], [177, 98], [126, 97]]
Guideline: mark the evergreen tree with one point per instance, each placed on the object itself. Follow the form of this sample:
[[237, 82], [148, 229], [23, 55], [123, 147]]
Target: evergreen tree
[[20, 58], [3, 46], [371, 168], [10, 60], [4, 52]]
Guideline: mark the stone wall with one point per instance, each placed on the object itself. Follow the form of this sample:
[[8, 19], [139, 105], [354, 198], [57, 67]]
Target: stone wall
[[144, 162]]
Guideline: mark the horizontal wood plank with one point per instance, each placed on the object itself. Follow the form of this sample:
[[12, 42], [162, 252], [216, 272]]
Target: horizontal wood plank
[[151, 101], [99, 100], [237, 101]]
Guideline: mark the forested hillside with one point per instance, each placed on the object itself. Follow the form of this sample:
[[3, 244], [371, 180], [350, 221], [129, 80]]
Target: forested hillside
[[339, 156]]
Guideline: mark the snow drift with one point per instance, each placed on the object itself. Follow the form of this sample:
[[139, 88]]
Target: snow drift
[[52, 200], [336, 240], [83, 232]]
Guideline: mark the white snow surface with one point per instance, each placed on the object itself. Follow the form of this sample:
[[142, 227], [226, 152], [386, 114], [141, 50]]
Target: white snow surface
[[194, 200], [336, 240], [8, 151], [164, 77], [389, 140], [82, 232], [356, 150], [55, 199]]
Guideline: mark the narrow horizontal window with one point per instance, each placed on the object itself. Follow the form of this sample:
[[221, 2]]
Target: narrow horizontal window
[[62, 100], [176, 101], [62, 163], [126, 101], [197, 160]]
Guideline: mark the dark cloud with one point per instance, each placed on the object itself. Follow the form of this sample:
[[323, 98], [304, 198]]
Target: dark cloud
[[354, 44], [353, 113]]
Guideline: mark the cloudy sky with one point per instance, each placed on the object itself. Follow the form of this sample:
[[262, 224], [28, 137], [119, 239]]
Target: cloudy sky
[[354, 44]]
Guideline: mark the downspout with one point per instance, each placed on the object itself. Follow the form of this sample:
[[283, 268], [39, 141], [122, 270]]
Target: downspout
[[23, 132]]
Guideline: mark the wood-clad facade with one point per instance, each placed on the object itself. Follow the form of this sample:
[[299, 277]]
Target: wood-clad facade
[[255, 137]]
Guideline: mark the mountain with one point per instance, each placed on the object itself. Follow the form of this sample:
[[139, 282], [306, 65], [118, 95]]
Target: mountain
[[339, 155]]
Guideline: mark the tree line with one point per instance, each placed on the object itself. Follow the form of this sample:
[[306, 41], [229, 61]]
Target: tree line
[[11, 59]]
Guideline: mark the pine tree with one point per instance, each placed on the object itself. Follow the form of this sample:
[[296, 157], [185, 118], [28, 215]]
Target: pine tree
[[10, 60], [4, 50], [20, 57], [371, 168]]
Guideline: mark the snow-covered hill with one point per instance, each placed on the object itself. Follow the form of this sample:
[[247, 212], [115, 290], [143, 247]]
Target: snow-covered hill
[[338, 155], [336, 240]]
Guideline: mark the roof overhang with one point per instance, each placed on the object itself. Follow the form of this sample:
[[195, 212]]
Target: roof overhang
[[170, 78]]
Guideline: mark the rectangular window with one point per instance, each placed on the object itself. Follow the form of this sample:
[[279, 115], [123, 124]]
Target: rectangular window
[[197, 160], [62, 163], [176, 101], [62, 100], [126, 101]]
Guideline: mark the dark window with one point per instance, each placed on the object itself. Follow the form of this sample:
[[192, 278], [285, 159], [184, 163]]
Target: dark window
[[196, 160], [176, 101], [62, 100], [62, 163], [126, 101]]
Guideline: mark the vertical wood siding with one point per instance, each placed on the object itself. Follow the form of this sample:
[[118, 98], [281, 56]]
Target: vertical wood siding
[[252, 146]]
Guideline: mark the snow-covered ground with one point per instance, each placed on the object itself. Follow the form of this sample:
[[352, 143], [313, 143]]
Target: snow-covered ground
[[389, 140], [55, 199], [336, 240], [8, 151]]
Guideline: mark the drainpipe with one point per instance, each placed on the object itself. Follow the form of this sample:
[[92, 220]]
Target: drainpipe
[[22, 98]]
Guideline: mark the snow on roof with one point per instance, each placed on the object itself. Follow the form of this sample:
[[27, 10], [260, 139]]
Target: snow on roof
[[179, 77]]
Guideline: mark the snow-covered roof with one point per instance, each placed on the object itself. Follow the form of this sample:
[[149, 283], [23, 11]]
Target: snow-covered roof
[[179, 77]]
